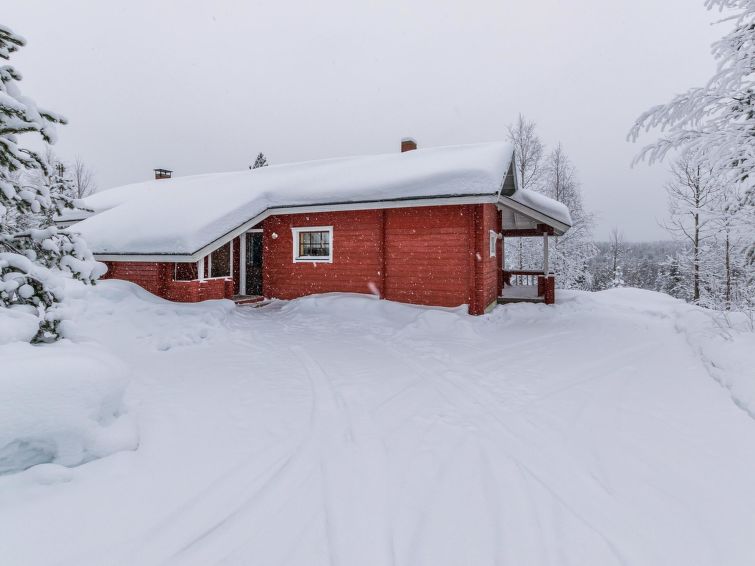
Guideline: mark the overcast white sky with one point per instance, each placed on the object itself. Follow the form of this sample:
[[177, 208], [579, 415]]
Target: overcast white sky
[[203, 86]]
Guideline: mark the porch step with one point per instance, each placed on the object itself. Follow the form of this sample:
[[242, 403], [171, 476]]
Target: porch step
[[510, 300], [248, 299]]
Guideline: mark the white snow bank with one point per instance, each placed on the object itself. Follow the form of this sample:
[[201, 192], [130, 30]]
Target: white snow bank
[[138, 317], [17, 324], [181, 215], [61, 403], [724, 342]]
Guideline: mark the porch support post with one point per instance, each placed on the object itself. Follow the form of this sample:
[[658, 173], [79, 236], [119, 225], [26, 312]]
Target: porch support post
[[242, 264], [545, 254], [230, 244], [200, 269]]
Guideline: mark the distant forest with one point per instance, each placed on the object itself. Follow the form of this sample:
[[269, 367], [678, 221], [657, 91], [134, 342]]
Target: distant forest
[[645, 265]]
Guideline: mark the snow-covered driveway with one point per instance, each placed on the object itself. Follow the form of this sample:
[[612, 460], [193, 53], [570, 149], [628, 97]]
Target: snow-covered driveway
[[349, 431]]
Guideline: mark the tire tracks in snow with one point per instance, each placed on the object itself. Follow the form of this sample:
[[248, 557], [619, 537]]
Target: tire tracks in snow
[[244, 502], [523, 456]]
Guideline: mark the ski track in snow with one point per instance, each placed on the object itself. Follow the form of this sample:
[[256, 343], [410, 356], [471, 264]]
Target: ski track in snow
[[347, 431]]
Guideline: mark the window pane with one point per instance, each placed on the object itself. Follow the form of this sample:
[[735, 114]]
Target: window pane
[[186, 271], [221, 262], [314, 244]]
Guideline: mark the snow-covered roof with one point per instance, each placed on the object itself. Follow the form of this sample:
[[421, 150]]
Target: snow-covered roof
[[183, 215], [542, 204]]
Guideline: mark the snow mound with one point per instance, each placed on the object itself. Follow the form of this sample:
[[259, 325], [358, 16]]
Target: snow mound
[[60, 403], [17, 324], [724, 342], [140, 318]]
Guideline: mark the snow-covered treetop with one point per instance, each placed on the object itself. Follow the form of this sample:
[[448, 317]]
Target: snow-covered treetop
[[19, 114], [717, 119], [184, 214]]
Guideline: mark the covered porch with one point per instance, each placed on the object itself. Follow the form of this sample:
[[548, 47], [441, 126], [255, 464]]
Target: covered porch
[[528, 284]]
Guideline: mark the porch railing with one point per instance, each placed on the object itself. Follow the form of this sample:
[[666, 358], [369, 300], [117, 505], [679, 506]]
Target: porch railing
[[521, 277]]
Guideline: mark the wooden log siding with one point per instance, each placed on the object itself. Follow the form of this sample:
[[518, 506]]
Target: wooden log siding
[[433, 255], [422, 255], [427, 255], [489, 267], [356, 263], [157, 278], [149, 275]]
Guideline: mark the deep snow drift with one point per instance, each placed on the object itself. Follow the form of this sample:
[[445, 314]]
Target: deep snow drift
[[59, 403], [608, 429]]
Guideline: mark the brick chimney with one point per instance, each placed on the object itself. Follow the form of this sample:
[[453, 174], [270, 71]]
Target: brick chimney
[[163, 173], [408, 144]]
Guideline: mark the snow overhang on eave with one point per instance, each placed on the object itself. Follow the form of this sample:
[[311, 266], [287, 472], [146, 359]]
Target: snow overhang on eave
[[404, 202], [559, 228]]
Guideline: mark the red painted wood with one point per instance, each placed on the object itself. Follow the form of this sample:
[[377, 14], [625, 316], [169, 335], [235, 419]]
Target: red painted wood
[[356, 264], [427, 255], [436, 255], [488, 267], [157, 278]]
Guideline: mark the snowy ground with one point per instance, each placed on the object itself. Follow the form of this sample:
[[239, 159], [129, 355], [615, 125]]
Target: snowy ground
[[614, 428]]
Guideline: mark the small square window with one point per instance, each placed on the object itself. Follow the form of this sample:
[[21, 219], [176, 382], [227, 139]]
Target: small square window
[[493, 243], [313, 244]]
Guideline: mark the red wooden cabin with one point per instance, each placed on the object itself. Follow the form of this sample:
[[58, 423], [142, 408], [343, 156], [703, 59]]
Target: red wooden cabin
[[423, 227]]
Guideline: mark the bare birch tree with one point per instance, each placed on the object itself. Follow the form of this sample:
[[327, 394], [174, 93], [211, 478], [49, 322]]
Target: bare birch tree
[[83, 179], [693, 195], [529, 153]]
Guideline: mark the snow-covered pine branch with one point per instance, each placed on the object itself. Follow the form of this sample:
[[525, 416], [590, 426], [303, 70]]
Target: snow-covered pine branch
[[718, 118], [34, 255]]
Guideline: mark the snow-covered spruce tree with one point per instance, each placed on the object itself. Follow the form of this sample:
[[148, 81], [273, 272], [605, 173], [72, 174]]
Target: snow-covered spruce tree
[[618, 278], [572, 251], [672, 280], [261, 161], [33, 254], [718, 118]]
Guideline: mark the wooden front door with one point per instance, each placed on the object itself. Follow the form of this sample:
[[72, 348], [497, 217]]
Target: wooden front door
[[253, 263]]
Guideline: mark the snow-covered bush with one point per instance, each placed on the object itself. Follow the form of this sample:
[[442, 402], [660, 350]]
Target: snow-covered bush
[[34, 255]]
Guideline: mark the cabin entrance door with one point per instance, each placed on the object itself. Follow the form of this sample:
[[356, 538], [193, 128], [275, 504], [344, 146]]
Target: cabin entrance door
[[253, 263]]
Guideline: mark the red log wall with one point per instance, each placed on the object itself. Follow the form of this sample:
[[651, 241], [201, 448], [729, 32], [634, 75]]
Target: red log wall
[[435, 255], [425, 255], [356, 263], [157, 278]]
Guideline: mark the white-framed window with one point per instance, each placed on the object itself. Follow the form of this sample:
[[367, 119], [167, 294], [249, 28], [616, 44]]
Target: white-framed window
[[313, 243], [493, 242]]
